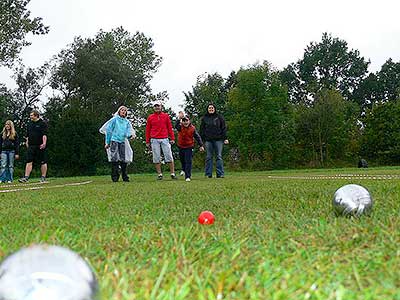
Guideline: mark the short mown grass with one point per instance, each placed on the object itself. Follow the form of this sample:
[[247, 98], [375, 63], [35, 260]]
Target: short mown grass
[[273, 238]]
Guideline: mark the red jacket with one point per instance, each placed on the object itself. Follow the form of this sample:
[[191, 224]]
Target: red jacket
[[159, 126], [187, 135]]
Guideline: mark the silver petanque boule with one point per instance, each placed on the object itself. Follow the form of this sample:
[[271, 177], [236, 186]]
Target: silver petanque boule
[[352, 200], [43, 272]]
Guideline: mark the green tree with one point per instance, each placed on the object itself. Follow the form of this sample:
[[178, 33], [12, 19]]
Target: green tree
[[381, 136], [379, 87], [329, 64], [94, 76], [325, 128], [5, 98], [209, 88], [259, 117], [15, 24], [25, 97]]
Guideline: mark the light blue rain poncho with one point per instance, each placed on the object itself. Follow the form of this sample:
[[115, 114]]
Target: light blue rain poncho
[[119, 129]]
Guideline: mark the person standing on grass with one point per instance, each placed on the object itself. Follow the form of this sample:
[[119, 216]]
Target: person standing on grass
[[118, 130], [36, 142], [160, 137], [187, 133], [9, 150], [213, 132]]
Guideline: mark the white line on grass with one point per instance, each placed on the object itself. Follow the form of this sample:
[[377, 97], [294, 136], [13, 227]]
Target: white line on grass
[[44, 187], [347, 176], [20, 184]]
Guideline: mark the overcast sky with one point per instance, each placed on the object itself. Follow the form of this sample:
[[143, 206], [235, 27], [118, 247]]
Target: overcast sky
[[195, 37]]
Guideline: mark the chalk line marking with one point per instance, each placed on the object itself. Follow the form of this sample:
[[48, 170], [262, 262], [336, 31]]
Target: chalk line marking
[[45, 187], [340, 176], [8, 185]]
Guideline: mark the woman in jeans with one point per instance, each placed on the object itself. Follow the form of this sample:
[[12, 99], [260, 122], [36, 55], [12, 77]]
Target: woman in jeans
[[9, 149], [213, 133]]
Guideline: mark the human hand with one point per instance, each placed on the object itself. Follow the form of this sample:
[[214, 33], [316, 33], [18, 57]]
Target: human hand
[[226, 142], [106, 146], [172, 142], [201, 149], [148, 146], [16, 156], [42, 146], [181, 115]]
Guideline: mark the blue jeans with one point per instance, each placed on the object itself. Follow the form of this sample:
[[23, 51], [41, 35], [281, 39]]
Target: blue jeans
[[186, 157], [7, 165], [214, 147]]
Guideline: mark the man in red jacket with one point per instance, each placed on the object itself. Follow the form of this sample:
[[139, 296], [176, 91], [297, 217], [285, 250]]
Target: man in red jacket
[[160, 136]]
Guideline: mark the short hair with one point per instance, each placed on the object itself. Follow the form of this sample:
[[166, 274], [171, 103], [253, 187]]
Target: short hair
[[35, 112]]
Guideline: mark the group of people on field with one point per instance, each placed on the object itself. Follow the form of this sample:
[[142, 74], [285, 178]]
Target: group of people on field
[[36, 143], [159, 138], [118, 131]]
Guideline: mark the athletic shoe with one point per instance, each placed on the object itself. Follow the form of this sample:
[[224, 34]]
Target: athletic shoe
[[42, 179], [173, 176], [159, 177], [9, 181], [23, 180], [187, 179], [182, 173], [220, 176]]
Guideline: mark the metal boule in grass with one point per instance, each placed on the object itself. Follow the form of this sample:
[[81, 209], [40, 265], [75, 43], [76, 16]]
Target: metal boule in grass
[[352, 200], [43, 272]]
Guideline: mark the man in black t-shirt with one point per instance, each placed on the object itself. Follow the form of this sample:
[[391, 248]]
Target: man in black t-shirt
[[36, 142]]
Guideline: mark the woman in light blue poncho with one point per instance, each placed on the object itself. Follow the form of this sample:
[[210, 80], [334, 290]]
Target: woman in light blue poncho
[[118, 130]]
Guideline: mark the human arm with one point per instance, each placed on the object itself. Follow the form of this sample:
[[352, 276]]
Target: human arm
[[44, 142], [178, 125], [148, 130], [170, 130], [223, 129], [108, 133], [198, 139]]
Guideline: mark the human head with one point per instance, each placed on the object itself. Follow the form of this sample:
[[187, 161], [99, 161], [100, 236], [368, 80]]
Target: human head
[[211, 109], [122, 111], [185, 121], [10, 129], [34, 115], [157, 107]]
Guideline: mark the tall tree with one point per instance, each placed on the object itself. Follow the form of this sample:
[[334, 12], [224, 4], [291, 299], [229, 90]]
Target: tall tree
[[94, 76], [329, 64], [381, 137], [209, 88], [325, 128], [15, 24], [30, 84], [259, 117], [380, 87], [111, 69]]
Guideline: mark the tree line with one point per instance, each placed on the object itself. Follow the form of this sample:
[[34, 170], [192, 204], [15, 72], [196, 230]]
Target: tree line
[[324, 110]]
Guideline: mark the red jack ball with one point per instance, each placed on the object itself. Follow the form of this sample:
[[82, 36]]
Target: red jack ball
[[206, 218]]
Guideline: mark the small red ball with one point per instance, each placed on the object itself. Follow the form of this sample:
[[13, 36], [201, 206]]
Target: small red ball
[[206, 218]]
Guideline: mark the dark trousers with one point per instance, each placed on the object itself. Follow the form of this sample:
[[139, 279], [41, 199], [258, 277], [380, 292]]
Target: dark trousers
[[115, 171], [186, 158]]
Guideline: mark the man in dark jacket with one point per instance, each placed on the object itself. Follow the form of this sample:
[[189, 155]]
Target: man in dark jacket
[[213, 133], [36, 142]]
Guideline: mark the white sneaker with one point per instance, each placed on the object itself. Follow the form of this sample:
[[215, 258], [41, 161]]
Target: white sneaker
[[9, 181], [187, 179], [182, 173]]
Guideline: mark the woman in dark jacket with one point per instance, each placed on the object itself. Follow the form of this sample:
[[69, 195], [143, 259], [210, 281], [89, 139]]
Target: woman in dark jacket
[[213, 133], [9, 149]]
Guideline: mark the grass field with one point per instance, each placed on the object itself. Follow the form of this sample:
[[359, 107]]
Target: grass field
[[275, 236]]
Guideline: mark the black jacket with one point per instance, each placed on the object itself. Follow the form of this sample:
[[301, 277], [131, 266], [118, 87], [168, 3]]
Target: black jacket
[[9, 145], [213, 127]]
